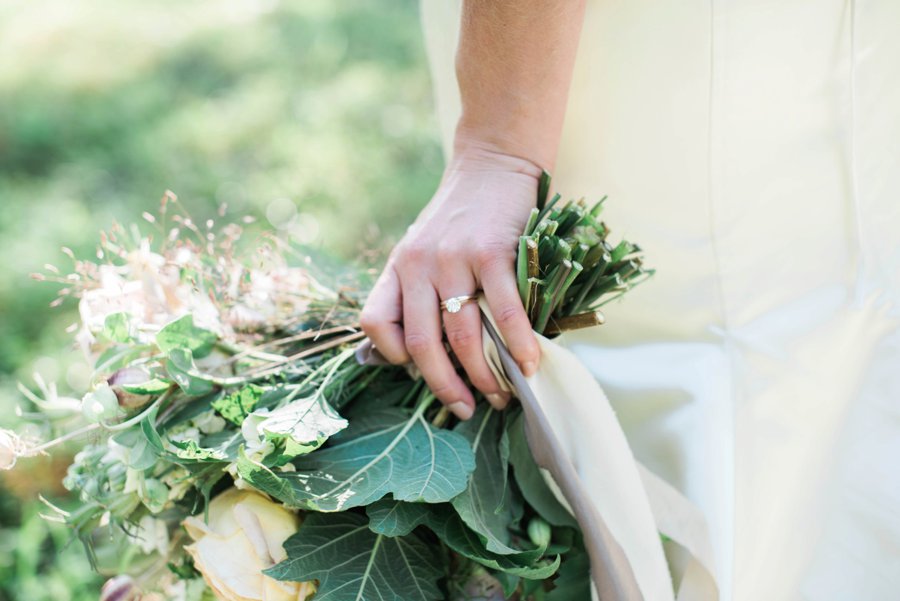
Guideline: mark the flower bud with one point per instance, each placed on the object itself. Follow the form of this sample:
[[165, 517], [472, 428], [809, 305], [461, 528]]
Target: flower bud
[[129, 376], [120, 588], [100, 405], [539, 532]]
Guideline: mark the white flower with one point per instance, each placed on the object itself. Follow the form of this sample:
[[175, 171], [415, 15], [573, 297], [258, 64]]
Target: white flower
[[11, 447], [245, 535], [152, 535]]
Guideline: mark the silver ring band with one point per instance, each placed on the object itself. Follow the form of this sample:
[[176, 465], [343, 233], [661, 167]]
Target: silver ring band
[[455, 304]]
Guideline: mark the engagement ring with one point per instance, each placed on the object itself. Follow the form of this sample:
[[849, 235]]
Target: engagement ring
[[453, 305]]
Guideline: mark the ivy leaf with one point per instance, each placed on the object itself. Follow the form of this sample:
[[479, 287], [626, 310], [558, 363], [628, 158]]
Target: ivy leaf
[[352, 563], [303, 424], [396, 518], [386, 451], [528, 476], [482, 506], [181, 368], [235, 407], [183, 334]]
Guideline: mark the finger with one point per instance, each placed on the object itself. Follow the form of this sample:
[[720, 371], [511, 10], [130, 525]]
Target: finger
[[463, 330], [502, 294], [422, 328], [382, 315]]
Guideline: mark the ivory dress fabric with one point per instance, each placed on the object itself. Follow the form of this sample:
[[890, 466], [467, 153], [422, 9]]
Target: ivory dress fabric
[[752, 148]]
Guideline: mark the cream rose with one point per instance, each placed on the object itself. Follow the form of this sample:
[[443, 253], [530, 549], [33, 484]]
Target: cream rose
[[244, 536]]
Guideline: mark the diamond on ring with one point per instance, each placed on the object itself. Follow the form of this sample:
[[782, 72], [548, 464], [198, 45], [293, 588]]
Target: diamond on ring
[[455, 304]]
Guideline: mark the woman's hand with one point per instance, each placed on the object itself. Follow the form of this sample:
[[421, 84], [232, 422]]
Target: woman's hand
[[465, 240]]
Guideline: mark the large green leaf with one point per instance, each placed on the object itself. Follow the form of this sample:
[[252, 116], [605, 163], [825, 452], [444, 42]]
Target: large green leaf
[[396, 518], [486, 505], [352, 563], [385, 451], [448, 526], [574, 580], [531, 482]]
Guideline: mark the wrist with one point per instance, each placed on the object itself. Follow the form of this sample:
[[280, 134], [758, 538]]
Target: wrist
[[479, 153]]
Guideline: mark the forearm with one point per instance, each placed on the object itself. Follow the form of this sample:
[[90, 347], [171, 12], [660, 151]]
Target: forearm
[[514, 67]]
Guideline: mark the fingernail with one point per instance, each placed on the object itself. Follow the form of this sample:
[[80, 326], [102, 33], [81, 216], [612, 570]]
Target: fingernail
[[529, 368], [461, 409], [498, 400]]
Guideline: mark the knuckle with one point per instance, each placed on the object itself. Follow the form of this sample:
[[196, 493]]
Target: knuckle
[[490, 255], [413, 253], [508, 315], [369, 321], [461, 337], [447, 253], [418, 344]]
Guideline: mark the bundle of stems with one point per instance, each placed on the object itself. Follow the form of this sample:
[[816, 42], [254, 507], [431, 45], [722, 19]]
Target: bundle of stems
[[567, 269]]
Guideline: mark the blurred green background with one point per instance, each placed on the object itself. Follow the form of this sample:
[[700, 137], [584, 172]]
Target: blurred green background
[[312, 115]]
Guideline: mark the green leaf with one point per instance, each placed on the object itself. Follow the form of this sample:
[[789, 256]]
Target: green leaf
[[574, 580], [396, 518], [483, 506], [183, 334], [152, 386], [352, 563], [181, 368], [303, 424], [528, 476], [236, 406], [448, 526], [140, 453], [189, 449], [508, 581], [117, 327], [386, 451]]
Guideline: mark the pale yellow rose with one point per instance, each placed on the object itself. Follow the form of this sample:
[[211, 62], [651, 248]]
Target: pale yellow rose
[[244, 536]]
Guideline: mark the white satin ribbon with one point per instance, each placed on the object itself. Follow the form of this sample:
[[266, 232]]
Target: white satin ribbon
[[635, 504]]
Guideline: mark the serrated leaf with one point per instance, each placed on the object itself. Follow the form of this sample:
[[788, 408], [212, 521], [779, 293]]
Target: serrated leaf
[[352, 563], [528, 476], [384, 452], [396, 518], [236, 406], [482, 506], [183, 334], [181, 368]]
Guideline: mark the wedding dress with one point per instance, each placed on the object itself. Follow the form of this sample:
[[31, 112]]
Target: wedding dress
[[752, 149]]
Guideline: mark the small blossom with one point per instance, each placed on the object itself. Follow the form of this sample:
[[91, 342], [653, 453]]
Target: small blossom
[[11, 448]]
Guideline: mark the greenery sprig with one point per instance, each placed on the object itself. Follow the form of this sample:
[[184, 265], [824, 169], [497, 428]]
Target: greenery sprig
[[567, 269]]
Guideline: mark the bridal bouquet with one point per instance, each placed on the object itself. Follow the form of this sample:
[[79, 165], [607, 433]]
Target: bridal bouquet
[[233, 448]]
